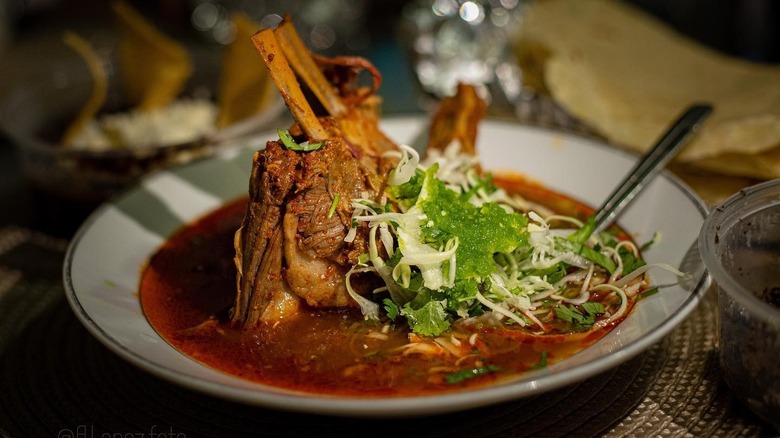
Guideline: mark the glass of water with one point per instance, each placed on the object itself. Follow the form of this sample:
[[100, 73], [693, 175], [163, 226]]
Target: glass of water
[[468, 41]]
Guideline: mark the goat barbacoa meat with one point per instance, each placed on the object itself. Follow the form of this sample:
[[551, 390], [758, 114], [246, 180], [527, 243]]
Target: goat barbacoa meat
[[290, 248]]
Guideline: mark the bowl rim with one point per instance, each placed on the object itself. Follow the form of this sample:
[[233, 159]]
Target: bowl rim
[[721, 218]]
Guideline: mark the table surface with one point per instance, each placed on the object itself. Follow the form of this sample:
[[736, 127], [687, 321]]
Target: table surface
[[57, 380]]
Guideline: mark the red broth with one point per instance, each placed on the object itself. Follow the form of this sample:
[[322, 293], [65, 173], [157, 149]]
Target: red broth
[[189, 285]]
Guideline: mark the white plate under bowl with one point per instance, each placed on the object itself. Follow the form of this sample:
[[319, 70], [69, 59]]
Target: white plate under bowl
[[105, 259]]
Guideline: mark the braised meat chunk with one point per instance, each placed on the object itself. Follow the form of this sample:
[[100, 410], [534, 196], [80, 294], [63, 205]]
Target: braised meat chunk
[[291, 247]]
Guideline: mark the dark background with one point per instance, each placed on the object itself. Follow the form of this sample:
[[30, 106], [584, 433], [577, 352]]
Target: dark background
[[748, 29], [743, 28]]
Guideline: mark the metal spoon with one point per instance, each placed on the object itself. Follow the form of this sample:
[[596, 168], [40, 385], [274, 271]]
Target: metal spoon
[[651, 163]]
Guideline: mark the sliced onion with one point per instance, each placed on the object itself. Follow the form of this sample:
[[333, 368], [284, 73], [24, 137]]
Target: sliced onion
[[406, 167], [369, 308], [642, 269]]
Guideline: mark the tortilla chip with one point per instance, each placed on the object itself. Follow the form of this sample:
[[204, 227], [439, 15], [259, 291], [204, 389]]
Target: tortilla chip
[[154, 67], [245, 87], [99, 85], [628, 76]]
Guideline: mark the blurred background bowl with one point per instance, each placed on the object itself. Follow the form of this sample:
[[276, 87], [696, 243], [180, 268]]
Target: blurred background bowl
[[740, 246], [36, 112]]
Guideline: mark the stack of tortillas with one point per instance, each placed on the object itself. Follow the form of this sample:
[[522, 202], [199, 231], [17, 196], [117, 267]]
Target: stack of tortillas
[[628, 76]]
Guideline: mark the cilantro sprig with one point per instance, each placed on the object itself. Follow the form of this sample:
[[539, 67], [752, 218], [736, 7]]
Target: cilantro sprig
[[426, 315], [470, 373], [290, 143], [542, 362], [580, 319]]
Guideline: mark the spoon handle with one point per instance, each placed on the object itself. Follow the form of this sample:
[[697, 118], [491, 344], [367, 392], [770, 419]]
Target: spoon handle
[[651, 163]]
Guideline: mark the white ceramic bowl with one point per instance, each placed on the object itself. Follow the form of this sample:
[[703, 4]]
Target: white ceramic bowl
[[104, 261]]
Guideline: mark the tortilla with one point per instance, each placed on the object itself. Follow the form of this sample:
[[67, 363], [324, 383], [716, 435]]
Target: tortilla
[[628, 75], [712, 187], [245, 86], [155, 68]]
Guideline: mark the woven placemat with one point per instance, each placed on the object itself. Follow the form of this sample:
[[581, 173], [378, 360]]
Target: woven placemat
[[57, 380]]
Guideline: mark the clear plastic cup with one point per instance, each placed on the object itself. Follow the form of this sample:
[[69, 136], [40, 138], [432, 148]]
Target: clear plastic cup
[[740, 246]]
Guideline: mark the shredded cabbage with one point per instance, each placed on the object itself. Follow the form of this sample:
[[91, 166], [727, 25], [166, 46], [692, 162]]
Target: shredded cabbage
[[458, 247]]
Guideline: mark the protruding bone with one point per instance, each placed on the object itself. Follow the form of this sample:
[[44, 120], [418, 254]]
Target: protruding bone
[[301, 61], [266, 44]]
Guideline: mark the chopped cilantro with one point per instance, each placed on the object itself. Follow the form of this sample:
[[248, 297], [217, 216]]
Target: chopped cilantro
[[593, 308], [569, 314], [333, 205], [290, 143], [577, 318], [583, 234], [645, 246], [630, 261], [649, 292], [463, 290], [553, 273], [609, 236], [589, 253], [393, 261], [431, 319], [391, 309], [406, 194], [542, 362], [484, 183], [470, 373]]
